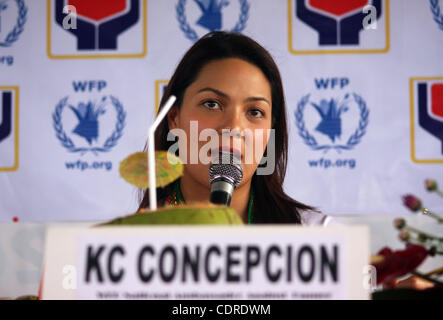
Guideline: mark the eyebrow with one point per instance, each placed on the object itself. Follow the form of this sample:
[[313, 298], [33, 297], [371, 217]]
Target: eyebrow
[[224, 95]]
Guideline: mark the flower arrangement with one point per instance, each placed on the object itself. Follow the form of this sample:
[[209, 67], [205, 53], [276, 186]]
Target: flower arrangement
[[414, 204], [391, 265]]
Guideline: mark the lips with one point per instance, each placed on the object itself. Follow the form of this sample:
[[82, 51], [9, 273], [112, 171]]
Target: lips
[[232, 150]]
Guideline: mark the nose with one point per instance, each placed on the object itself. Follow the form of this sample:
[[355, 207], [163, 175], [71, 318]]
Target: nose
[[232, 120], [231, 127]]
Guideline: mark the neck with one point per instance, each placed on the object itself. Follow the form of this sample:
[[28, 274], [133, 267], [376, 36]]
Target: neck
[[193, 191]]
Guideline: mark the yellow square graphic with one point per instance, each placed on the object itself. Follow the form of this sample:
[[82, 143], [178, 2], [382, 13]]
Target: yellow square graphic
[[158, 95], [16, 122], [412, 81], [98, 56], [348, 51]]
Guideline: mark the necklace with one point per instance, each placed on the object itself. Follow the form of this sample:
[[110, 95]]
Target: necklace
[[250, 205], [177, 198]]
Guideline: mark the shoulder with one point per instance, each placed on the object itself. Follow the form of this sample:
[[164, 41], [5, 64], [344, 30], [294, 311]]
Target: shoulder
[[315, 218]]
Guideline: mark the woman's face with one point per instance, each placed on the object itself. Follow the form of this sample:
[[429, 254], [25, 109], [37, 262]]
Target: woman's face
[[230, 96]]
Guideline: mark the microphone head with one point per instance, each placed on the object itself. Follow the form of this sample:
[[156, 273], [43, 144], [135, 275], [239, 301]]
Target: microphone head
[[226, 166]]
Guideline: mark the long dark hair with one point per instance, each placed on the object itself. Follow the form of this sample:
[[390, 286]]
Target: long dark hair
[[271, 203]]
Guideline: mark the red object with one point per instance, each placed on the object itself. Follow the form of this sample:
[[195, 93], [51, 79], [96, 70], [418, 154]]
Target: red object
[[98, 9], [40, 287], [437, 99], [15, 219], [338, 7], [399, 263], [412, 202]]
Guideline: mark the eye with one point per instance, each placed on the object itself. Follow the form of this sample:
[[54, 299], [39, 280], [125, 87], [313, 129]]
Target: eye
[[256, 113], [211, 104]]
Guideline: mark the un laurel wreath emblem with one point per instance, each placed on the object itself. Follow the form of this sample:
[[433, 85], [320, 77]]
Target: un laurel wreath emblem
[[192, 35], [352, 141], [67, 142], [435, 9], [19, 26]]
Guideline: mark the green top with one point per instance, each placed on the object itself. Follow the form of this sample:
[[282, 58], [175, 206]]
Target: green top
[[177, 197]]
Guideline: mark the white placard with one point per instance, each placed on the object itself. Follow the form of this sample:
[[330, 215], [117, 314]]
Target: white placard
[[259, 262]]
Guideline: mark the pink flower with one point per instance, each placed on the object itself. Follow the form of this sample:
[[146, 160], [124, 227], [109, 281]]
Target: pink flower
[[403, 236], [399, 223], [431, 184], [412, 202]]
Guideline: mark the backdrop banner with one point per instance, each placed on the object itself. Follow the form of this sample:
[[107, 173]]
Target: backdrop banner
[[80, 81]]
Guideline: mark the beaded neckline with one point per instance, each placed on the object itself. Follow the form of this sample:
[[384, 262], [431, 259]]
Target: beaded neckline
[[176, 198]]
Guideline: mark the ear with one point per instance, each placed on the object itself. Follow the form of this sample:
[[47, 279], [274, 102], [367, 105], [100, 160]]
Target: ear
[[173, 118]]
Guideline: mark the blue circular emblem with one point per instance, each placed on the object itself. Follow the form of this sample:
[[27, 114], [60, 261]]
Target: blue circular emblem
[[329, 124], [435, 9], [19, 26], [67, 142], [211, 16]]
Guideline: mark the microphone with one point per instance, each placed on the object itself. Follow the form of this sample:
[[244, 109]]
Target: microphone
[[225, 173]]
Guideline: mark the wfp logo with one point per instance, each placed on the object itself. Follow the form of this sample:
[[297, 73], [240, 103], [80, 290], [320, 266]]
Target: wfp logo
[[327, 123], [324, 26], [437, 16], [13, 15], [80, 126], [210, 15], [427, 120]]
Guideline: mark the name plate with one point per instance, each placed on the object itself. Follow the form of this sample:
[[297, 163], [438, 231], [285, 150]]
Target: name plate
[[206, 262]]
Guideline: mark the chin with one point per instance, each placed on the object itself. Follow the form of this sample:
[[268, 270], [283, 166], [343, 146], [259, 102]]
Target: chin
[[199, 173]]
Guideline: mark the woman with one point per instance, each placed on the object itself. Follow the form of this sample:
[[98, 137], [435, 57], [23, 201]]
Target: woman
[[228, 82]]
